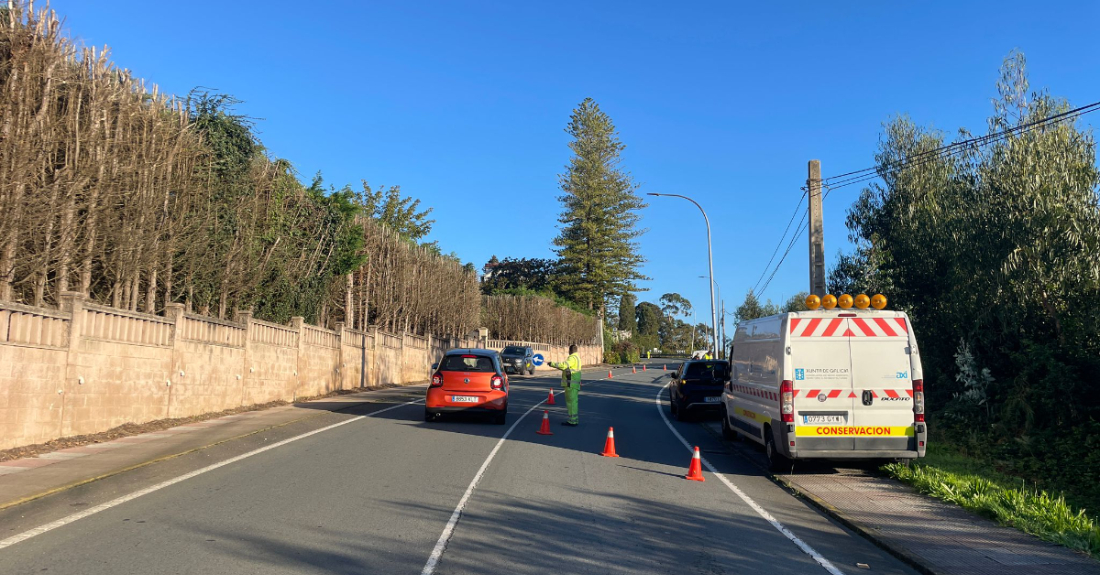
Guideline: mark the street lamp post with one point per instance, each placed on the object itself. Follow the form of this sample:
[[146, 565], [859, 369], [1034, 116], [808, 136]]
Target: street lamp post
[[710, 265], [722, 323]]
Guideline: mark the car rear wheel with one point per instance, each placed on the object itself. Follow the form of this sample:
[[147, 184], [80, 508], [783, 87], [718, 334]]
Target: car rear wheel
[[681, 413], [429, 416], [501, 418]]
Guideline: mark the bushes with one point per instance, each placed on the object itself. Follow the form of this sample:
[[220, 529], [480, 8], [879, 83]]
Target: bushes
[[622, 352]]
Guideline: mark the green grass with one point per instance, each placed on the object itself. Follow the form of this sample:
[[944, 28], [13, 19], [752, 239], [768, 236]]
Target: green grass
[[976, 486]]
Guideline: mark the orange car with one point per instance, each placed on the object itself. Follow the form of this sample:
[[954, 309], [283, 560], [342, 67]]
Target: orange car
[[468, 380]]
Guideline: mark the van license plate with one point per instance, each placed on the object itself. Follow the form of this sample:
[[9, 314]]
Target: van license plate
[[712, 399], [822, 419], [464, 399]]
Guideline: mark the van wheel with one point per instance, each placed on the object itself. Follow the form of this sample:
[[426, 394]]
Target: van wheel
[[776, 462], [727, 432]]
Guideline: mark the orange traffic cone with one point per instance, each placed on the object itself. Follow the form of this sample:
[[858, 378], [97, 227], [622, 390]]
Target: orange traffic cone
[[609, 445], [643, 367], [695, 470], [609, 374], [550, 400], [633, 369], [545, 429], [664, 367]]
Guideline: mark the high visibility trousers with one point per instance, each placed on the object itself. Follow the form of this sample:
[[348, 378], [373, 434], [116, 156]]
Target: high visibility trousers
[[572, 393]]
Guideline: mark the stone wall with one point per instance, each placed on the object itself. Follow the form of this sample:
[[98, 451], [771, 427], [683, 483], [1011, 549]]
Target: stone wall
[[87, 368]]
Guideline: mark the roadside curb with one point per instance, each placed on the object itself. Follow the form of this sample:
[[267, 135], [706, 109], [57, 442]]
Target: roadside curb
[[866, 532]]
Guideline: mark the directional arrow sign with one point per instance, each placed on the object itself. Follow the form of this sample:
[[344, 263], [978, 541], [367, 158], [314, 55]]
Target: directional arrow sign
[[537, 359]]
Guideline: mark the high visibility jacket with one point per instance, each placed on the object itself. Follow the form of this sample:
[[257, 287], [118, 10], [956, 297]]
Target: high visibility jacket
[[573, 364]]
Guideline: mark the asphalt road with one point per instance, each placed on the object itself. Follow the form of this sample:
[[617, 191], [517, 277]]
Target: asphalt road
[[378, 494]]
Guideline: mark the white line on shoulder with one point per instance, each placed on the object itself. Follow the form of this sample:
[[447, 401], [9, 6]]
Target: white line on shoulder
[[805, 547], [131, 496]]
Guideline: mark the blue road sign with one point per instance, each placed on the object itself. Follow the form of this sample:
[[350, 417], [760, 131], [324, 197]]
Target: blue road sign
[[537, 359]]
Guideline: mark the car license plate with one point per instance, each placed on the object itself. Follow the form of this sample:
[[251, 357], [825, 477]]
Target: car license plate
[[464, 399], [712, 399], [822, 419]]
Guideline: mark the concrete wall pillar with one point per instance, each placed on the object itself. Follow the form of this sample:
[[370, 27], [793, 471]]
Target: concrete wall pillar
[[296, 324], [71, 303], [341, 358], [174, 312], [244, 317]]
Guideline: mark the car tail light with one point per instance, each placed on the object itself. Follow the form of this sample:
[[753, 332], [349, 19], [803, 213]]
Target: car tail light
[[786, 400], [497, 382], [918, 400], [437, 380]]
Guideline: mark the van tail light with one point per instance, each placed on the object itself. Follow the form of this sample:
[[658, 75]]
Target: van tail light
[[786, 401], [437, 380], [918, 400], [497, 382]]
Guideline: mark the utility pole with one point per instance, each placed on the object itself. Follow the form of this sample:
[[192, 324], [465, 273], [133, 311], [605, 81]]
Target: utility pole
[[817, 232]]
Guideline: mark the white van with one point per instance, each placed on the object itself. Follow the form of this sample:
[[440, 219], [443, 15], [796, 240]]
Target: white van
[[831, 384]]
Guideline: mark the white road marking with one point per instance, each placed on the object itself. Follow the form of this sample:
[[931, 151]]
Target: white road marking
[[131, 496], [825, 563], [448, 531]]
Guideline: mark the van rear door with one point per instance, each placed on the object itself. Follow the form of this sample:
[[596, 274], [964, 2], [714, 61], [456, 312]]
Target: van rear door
[[883, 410], [823, 398]]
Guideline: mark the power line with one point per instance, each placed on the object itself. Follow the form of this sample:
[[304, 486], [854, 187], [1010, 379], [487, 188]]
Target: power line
[[960, 146], [922, 158], [781, 238]]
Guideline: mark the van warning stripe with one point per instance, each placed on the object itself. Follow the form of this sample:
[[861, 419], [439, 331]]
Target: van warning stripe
[[885, 326], [856, 327], [862, 325], [833, 326]]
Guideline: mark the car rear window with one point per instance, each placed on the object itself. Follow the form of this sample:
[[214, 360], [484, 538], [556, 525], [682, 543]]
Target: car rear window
[[707, 370], [467, 363]]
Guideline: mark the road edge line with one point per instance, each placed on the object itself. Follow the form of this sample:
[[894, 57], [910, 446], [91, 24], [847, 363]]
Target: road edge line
[[802, 545], [30, 533], [55, 490], [835, 514]]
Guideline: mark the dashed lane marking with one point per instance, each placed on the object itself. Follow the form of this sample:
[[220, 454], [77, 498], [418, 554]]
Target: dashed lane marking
[[805, 547]]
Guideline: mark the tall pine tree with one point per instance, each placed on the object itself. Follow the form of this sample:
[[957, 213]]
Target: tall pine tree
[[597, 246]]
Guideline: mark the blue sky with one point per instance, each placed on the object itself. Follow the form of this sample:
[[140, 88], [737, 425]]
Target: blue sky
[[463, 104]]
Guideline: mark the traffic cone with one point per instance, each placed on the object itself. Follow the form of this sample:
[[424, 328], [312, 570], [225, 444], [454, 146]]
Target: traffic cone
[[633, 369], [664, 367], [550, 400], [695, 470], [609, 374], [609, 445], [643, 367], [545, 429]]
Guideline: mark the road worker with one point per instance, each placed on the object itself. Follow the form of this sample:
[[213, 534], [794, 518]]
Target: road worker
[[571, 381]]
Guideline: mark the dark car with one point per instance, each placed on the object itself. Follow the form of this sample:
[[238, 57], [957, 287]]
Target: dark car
[[518, 359], [697, 386], [468, 381]]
